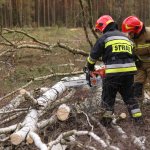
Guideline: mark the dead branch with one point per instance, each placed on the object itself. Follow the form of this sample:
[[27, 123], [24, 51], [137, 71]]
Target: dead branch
[[14, 110], [84, 24], [28, 35], [37, 141], [120, 131], [29, 124], [39, 79], [15, 91], [79, 133], [39, 44], [14, 103], [137, 141], [91, 18], [73, 50], [8, 129], [103, 130], [12, 117], [47, 122], [62, 100]]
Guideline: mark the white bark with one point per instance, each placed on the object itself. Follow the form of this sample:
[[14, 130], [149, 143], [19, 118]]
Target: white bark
[[120, 131], [46, 122], [78, 133], [51, 94], [28, 96], [138, 142], [37, 141], [29, 124], [11, 118], [13, 104], [8, 129]]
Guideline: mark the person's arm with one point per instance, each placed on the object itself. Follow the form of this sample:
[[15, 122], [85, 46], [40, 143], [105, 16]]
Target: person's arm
[[95, 53]]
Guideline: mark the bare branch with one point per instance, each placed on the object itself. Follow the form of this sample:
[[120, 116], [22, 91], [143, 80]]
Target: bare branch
[[28, 35], [84, 24], [91, 18], [73, 50], [39, 79]]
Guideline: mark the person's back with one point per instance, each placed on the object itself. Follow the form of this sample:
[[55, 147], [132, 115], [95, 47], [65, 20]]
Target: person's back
[[117, 55], [116, 52]]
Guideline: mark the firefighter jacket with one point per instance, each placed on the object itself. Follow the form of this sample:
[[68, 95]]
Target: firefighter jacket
[[142, 49], [116, 51]]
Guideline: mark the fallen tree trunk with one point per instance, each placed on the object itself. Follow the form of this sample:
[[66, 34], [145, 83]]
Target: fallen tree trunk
[[29, 124]]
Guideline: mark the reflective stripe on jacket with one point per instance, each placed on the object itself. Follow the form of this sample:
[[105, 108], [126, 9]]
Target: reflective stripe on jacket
[[142, 49], [116, 51], [118, 68]]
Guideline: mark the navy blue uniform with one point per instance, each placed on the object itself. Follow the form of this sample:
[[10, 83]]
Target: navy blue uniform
[[115, 49]]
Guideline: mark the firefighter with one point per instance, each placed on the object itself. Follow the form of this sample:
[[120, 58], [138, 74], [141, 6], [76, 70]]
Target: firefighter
[[141, 37], [115, 50]]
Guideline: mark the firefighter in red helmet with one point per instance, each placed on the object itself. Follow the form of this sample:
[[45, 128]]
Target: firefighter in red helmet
[[141, 36], [115, 49]]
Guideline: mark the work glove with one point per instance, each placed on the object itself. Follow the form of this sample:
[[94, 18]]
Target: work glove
[[90, 66]]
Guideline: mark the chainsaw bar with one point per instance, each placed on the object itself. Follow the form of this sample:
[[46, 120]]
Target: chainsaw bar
[[80, 81]]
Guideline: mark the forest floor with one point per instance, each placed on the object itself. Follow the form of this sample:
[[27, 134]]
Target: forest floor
[[17, 69]]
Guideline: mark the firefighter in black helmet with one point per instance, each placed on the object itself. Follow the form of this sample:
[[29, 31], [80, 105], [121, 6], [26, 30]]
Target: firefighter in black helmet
[[115, 49]]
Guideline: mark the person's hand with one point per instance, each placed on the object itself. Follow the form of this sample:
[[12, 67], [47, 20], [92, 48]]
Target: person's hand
[[90, 66]]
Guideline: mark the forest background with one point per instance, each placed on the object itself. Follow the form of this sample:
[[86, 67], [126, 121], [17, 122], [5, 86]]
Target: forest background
[[37, 13]]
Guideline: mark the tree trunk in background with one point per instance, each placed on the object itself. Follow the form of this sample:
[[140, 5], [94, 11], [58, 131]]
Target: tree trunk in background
[[44, 21], [67, 12], [48, 15], [53, 8]]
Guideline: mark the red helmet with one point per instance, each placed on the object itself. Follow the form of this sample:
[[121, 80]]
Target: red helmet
[[102, 22], [132, 24]]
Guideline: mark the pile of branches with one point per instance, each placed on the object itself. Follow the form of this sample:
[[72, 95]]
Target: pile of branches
[[57, 102]]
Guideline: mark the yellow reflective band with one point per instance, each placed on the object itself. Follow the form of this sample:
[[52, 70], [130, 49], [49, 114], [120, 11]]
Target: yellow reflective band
[[139, 114], [117, 70], [143, 45], [112, 42], [90, 61]]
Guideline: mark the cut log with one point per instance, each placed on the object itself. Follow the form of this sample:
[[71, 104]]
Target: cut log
[[63, 112], [29, 124]]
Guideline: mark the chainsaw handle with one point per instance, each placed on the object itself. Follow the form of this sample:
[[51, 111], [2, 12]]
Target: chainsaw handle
[[88, 75]]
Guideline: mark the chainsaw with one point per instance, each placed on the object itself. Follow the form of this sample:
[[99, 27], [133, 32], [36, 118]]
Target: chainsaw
[[91, 78]]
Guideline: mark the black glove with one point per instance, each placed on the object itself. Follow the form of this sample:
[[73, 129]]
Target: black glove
[[90, 66], [138, 62]]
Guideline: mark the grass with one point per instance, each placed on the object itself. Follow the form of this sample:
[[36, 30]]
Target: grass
[[29, 63]]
